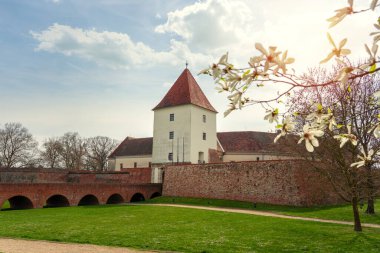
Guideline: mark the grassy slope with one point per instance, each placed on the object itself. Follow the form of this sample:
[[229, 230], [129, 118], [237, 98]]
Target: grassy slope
[[186, 230], [343, 212]]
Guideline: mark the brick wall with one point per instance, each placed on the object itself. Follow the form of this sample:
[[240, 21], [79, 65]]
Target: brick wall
[[275, 182], [34, 175], [38, 185]]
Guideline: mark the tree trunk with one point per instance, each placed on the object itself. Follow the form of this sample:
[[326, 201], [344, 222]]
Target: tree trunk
[[358, 225], [370, 192], [370, 206]]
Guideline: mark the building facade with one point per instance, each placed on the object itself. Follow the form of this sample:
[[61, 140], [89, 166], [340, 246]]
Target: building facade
[[184, 132]]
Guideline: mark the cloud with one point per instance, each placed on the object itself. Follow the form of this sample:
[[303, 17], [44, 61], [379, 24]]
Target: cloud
[[54, 1], [210, 24], [216, 26], [112, 49]]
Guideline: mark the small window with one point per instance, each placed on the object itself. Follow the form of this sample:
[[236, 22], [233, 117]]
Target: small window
[[121, 165], [150, 164], [171, 135], [204, 118], [257, 158], [135, 165], [204, 136], [170, 157], [171, 117]]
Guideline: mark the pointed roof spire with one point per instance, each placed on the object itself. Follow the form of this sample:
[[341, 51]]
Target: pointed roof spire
[[185, 91]]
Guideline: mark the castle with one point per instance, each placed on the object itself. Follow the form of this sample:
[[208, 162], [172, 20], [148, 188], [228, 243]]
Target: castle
[[185, 133]]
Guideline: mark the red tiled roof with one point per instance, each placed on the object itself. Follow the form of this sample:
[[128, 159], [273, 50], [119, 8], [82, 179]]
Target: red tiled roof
[[133, 146], [233, 142], [185, 91], [250, 141]]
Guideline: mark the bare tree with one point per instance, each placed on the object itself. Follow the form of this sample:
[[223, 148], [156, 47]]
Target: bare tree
[[98, 149], [354, 109], [51, 155], [17, 146], [73, 150]]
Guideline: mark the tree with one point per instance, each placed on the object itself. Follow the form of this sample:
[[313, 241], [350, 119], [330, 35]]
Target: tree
[[73, 151], [17, 146], [51, 155], [271, 66], [354, 112], [98, 149]]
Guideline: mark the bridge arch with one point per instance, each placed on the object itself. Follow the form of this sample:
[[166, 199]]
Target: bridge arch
[[57, 201], [115, 198], [155, 195], [20, 202], [88, 200], [137, 197]]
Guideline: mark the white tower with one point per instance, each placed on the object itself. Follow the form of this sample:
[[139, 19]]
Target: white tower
[[184, 124]]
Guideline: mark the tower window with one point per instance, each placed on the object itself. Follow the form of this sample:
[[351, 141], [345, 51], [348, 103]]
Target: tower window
[[204, 136], [171, 117], [170, 157], [204, 118], [171, 135]]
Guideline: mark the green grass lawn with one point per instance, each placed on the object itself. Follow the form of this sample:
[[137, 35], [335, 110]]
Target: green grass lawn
[[343, 212], [184, 230], [6, 205]]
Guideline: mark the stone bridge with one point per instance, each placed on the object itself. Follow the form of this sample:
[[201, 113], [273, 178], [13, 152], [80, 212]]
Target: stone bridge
[[37, 188]]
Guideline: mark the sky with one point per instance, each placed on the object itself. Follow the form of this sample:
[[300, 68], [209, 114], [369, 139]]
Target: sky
[[99, 67]]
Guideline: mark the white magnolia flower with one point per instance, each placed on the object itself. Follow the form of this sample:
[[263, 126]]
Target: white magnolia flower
[[231, 108], [318, 114], [344, 73], [272, 116], [222, 86], [338, 52], [235, 99], [281, 63], [309, 135], [364, 158], [341, 14], [344, 138], [372, 55], [376, 34], [286, 127], [215, 71], [269, 56], [332, 122]]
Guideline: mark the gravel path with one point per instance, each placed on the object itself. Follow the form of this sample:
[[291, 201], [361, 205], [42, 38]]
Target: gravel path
[[28, 246], [270, 214]]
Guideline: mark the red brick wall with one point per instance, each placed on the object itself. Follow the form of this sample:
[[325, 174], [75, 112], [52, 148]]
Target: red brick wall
[[288, 182], [33, 175], [39, 184]]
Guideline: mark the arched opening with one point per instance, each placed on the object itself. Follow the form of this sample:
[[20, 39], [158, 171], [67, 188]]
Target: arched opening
[[88, 200], [20, 202], [57, 201], [155, 195], [137, 197], [115, 199]]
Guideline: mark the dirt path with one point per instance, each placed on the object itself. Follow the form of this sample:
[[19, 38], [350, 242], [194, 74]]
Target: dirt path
[[28, 246], [269, 214]]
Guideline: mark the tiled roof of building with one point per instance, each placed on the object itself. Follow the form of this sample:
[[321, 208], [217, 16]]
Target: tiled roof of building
[[251, 141], [134, 146], [231, 142], [185, 91]]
